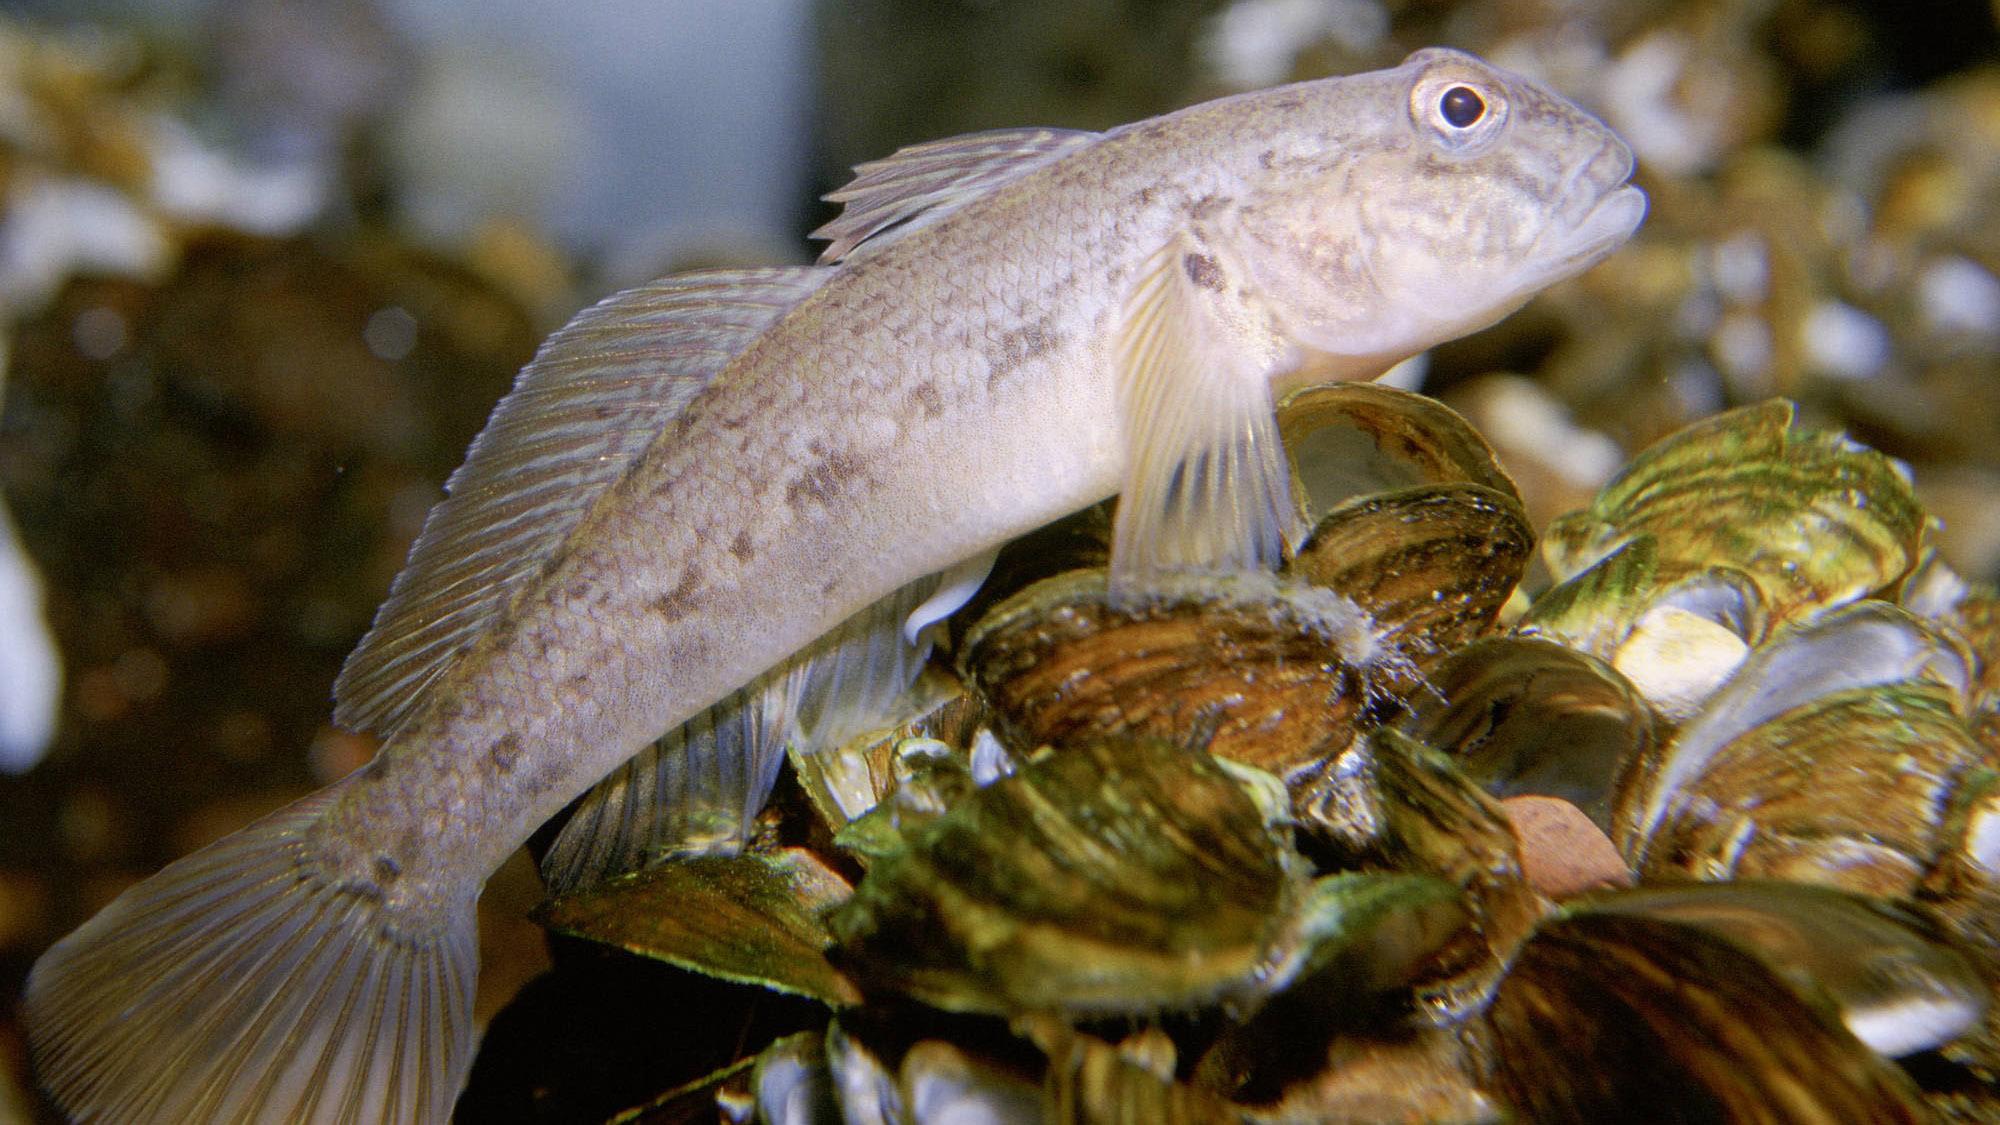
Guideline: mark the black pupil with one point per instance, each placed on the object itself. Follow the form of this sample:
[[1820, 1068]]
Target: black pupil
[[1461, 107]]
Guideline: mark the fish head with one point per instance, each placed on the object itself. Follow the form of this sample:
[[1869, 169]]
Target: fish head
[[1426, 202]]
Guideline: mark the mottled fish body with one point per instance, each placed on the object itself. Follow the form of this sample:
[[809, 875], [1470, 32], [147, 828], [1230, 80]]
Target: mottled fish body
[[714, 506]]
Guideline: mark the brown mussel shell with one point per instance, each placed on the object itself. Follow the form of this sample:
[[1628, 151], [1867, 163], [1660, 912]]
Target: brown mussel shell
[[1276, 673], [1103, 877]]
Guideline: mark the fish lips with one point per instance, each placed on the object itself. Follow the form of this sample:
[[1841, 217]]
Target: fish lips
[[1595, 214]]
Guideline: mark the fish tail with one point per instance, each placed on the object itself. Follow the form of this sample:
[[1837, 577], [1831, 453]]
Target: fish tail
[[250, 982]]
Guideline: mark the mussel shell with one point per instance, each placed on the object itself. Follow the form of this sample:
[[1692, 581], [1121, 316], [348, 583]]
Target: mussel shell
[[1521, 715], [1101, 878], [1093, 1081], [942, 1083], [1364, 940], [844, 782], [1676, 633], [1608, 1017], [753, 918], [1275, 672], [1976, 618], [1889, 973], [1860, 645], [1969, 864], [1391, 803], [1353, 439], [1433, 565], [1847, 790], [791, 1080], [1817, 520], [1387, 1079]]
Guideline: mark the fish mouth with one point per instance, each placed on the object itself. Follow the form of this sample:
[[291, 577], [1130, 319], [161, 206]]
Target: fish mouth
[[1608, 223], [1595, 212]]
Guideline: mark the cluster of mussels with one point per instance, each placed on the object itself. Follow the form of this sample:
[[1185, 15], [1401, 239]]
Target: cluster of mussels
[[1709, 830]]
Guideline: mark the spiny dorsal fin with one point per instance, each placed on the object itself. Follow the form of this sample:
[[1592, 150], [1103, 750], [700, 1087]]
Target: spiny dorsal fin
[[924, 181], [595, 396]]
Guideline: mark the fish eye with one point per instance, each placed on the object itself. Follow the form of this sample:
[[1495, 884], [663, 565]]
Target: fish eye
[[1462, 107]]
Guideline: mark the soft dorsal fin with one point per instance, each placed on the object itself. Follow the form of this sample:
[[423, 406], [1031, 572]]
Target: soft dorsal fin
[[594, 397], [925, 181]]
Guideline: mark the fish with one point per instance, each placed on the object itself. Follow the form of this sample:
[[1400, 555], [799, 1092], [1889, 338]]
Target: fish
[[723, 511]]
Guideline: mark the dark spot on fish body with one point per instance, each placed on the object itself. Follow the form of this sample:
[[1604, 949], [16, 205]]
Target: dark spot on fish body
[[1019, 345], [505, 752], [1143, 197], [742, 548], [927, 398], [824, 481], [387, 870], [1268, 159], [1203, 271], [680, 601]]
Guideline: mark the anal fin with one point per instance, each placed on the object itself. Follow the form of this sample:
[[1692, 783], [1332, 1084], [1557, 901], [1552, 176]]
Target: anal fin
[[698, 790]]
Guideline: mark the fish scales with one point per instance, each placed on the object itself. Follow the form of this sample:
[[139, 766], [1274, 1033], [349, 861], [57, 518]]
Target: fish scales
[[640, 613], [1093, 315]]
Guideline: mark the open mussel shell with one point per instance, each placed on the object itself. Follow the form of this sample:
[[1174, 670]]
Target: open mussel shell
[[1525, 716], [1348, 440], [1963, 891], [1617, 1017], [1815, 519], [1389, 803], [1107, 877], [1275, 672], [845, 781], [1865, 644], [1433, 565], [1676, 635], [753, 918]]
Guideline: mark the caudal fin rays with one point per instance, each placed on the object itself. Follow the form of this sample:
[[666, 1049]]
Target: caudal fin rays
[[242, 984]]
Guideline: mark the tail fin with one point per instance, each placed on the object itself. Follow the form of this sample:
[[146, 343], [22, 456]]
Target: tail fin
[[244, 983]]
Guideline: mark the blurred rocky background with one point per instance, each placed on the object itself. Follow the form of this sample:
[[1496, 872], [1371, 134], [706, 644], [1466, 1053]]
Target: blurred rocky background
[[266, 264]]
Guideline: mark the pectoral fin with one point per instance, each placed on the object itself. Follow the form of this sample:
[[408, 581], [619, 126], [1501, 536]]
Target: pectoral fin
[[1206, 484]]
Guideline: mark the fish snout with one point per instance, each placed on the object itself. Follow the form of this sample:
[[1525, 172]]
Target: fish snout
[[1604, 174]]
